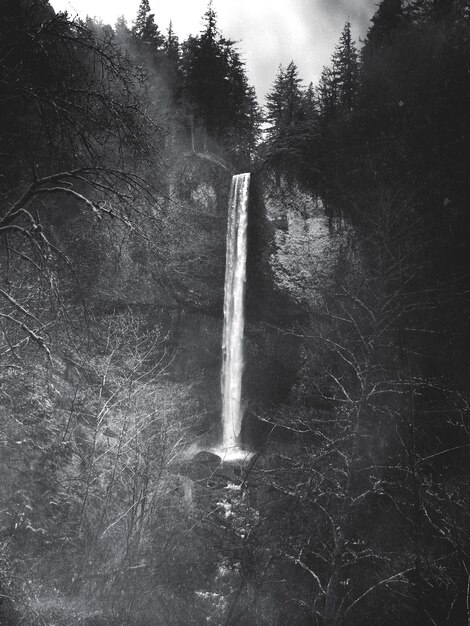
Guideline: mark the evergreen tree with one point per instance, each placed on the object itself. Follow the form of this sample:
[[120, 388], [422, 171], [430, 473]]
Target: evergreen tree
[[210, 31], [385, 22], [241, 107], [121, 30], [169, 65], [216, 88], [339, 83], [311, 102], [426, 10], [346, 70], [204, 73], [171, 45], [285, 102], [327, 91], [145, 30], [292, 118]]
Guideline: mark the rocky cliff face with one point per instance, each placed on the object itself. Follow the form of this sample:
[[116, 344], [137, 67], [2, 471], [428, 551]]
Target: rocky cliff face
[[294, 252], [174, 276]]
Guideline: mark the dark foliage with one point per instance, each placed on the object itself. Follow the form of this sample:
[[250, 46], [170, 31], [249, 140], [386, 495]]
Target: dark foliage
[[388, 363]]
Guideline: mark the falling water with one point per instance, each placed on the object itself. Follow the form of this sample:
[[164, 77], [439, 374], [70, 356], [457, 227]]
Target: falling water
[[232, 347]]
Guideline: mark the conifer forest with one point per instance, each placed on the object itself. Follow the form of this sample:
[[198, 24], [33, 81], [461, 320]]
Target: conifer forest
[[334, 489]]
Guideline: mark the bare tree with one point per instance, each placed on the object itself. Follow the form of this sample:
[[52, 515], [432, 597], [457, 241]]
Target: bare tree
[[358, 519], [77, 136]]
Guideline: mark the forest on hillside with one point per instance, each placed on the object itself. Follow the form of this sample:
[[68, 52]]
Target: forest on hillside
[[117, 148]]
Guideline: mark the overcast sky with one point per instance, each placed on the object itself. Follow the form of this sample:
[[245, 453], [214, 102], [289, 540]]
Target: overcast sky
[[270, 32]]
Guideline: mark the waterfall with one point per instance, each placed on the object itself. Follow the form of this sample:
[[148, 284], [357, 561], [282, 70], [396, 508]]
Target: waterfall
[[234, 318]]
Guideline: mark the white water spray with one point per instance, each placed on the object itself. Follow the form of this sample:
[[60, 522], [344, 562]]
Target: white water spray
[[234, 317]]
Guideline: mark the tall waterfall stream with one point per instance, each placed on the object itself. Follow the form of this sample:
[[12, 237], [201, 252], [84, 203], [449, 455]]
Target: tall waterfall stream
[[234, 319], [230, 447]]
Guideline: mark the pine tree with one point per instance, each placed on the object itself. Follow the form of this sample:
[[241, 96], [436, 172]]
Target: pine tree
[[339, 84], [210, 31], [204, 71], [241, 107], [169, 65], [311, 103], [346, 70], [292, 118], [285, 102], [222, 104], [121, 30], [145, 30], [171, 45], [141, 19], [327, 91], [386, 20]]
